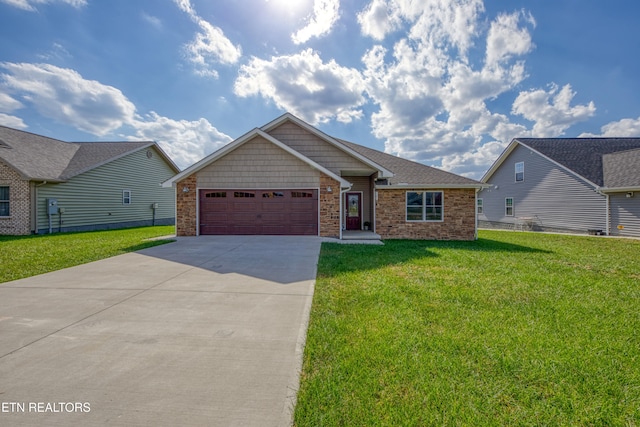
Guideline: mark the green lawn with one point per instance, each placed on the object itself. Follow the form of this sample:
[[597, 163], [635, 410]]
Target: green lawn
[[513, 329], [24, 256]]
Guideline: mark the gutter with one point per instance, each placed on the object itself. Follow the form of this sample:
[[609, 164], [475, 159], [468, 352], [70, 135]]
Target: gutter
[[432, 186]]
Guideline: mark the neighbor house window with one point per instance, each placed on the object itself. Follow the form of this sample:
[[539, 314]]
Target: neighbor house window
[[424, 205], [519, 171], [4, 201], [126, 197], [508, 206], [479, 203]]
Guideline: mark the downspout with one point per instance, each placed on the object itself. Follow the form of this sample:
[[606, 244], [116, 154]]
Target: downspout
[[608, 227], [607, 209]]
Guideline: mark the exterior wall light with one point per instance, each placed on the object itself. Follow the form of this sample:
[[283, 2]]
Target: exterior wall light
[[185, 189]]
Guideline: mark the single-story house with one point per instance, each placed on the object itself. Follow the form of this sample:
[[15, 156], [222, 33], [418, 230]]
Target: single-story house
[[288, 177], [580, 185], [48, 185]]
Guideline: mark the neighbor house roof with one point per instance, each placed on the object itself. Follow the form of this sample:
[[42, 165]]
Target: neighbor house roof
[[622, 170], [581, 156], [40, 158]]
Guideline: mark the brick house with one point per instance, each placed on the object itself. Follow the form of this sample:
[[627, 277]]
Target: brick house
[[288, 177], [48, 185]]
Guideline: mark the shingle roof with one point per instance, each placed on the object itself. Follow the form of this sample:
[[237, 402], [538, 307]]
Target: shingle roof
[[34, 156], [93, 154], [583, 156], [409, 172], [41, 158], [622, 169]]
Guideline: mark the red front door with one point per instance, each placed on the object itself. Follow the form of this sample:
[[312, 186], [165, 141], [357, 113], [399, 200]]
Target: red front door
[[354, 211]]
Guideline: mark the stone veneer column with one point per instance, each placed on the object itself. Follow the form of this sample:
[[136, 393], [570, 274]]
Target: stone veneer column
[[329, 207], [186, 214]]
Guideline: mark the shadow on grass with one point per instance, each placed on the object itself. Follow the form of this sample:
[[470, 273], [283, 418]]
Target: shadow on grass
[[148, 244], [337, 258]]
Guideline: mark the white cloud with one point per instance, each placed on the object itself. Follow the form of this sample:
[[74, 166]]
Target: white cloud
[[304, 85], [65, 96], [8, 104], [12, 121], [621, 128], [379, 19], [506, 38], [551, 110], [30, 5], [325, 15], [184, 141], [154, 21], [210, 45]]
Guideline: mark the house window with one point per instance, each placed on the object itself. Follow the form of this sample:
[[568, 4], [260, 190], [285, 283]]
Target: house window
[[216, 195], [126, 197], [273, 194], [519, 171], [241, 194], [301, 194], [424, 205], [508, 206], [4, 201], [479, 204]]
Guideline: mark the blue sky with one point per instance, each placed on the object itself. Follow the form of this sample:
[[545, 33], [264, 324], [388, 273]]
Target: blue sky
[[444, 82]]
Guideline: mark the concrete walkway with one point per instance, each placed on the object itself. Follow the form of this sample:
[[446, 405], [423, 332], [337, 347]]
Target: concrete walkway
[[203, 331]]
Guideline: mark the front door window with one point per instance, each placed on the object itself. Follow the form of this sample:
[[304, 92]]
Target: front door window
[[353, 211]]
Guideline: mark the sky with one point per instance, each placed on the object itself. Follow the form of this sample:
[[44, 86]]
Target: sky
[[448, 83]]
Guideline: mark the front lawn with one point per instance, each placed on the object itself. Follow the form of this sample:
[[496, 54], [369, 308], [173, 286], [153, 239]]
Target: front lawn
[[25, 256], [513, 329]]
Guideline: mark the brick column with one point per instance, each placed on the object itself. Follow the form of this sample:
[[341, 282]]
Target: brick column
[[329, 207], [186, 214]]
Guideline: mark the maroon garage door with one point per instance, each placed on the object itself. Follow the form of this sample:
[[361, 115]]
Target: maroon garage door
[[283, 212]]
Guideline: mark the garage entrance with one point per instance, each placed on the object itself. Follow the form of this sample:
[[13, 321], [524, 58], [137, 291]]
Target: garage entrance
[[254, 212]]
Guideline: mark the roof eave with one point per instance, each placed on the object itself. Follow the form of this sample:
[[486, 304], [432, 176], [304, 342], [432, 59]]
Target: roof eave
[[432, 186], [607, 190]]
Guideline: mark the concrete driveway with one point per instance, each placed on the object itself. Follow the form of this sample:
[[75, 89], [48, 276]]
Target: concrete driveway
[[203, 331]]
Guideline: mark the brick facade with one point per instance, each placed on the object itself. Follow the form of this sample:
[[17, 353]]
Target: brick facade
[[329, 207], [186, 207], [19, 221], [459, 217]]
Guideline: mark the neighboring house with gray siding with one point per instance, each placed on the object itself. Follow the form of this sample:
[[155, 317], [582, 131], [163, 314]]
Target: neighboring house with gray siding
[[582, 185], [48, 185]]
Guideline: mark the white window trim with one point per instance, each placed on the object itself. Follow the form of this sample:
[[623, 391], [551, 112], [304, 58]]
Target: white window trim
[[424, 207], [513, 206], [479, 206], [126, 194], [7, 201], [515, 177]]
